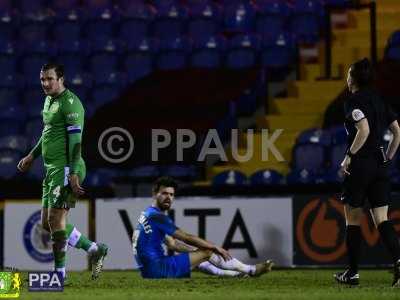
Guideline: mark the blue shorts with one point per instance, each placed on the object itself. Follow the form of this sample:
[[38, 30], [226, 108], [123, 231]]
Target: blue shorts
[[176, 266]]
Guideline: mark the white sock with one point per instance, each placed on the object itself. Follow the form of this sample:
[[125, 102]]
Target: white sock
[[61, 270], [209, 268], [232, 264], [93, 248]]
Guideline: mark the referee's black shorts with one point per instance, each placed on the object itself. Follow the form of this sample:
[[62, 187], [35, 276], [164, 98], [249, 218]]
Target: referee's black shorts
[[368, 181]]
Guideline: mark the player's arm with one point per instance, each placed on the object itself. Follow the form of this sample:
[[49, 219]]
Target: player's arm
[[395, 141], [25, 163], [178, 246], [74, 116]]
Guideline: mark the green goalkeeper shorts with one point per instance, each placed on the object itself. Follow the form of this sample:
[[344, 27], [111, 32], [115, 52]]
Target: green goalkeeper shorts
[[57, 192]]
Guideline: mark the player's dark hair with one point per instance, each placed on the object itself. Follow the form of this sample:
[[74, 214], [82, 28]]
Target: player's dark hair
[[58, 68], [166, 182], [362, 73]]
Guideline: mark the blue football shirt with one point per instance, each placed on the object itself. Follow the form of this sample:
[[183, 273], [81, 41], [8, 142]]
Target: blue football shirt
[[149, 235]]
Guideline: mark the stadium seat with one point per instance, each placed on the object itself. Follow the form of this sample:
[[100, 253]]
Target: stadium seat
[[103, 94], [266, 177], [64, 5], [66, 30], [14, 111], [138, 61], [34, 102], [147, 171], [239, 17], [336, 155], [77, 47], [231, 177], [8, 163], [31, 65], [34, 128], [8, 25], [11, 80], [305, 21], [205, 19], [100, 26], [32, 9], [100, 177], [135, 23], [8, 97], [338, 135], [98, 6], [104, 59], [169, 21], [309, 156], [179, 171], [15, 142], [5, 6], [173, 53], [40, 47], [208, 52], [73, 63], [37, 171], [272, 17], [302, 176], [32, 31], [243, 51], [314, 136], [278, 51], [10, 127]]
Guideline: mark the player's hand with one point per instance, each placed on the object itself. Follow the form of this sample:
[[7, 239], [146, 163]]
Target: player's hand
[[25, 163], [75, 186], [344, 166], [222, 252]]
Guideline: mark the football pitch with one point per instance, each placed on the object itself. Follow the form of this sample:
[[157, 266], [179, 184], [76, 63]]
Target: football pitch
[[280, 284]]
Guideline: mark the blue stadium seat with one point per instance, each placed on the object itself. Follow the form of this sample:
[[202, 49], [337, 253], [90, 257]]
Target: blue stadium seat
[[31, 8], [272, 17], [37, 171], [31, 65], [73, 63], [83, 80], [146, 171], [338, 135], [180, 171], [30, 32], [64, 5], [208, 52], [98, 5], [100, 26], [336, 155], [230, 177], [243, 51], [15, 142], [8, 163], [138, 61], [240, 16], [314, 136], [8, 26], [104, 59], [14, 111], [81, 91], [266, 177], [309, 156], [278, 51], [305, 21], [302, 176], [169, 21], [66, 30], [100, 177], [8, 97], [159, 4], [34, 101], [34, 128], [8, 58], [40, 47], [5, 6], [77, 47], [103, 94], [10, 127], [173, 53], [205, 19], [136, 19], [126, 5], [11, 80]]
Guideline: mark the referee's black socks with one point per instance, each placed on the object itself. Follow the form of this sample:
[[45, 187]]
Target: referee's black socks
[[389, 238], [353, 243]]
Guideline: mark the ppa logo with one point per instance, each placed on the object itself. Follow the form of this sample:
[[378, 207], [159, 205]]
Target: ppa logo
[[46, 282]]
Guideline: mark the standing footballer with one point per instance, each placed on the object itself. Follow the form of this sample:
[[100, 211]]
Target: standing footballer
[[60, 146]]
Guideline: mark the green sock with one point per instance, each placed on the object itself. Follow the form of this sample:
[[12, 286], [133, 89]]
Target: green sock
[[77, 239], [59, 248]]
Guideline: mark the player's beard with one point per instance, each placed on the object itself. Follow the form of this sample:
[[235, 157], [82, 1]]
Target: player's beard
[[165, 204]]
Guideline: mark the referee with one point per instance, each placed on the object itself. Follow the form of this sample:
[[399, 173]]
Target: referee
[[365, 167]]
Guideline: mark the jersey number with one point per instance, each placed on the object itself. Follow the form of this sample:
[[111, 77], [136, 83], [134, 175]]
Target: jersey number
[[56, 191]]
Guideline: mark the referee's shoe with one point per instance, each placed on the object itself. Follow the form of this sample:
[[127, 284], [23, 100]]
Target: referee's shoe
[[347, 277]]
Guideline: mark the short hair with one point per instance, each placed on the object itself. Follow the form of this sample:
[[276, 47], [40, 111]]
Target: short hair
[[166, 182], [58, 68], [362, 73]]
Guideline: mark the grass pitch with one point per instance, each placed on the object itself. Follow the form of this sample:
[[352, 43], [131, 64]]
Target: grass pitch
[[280, 284]]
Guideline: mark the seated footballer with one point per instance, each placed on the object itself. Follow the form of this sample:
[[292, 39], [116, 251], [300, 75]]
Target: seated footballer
[[155, 228]]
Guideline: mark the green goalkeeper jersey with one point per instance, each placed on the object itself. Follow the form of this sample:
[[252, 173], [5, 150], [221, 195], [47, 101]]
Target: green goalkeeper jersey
[[63, 118]]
